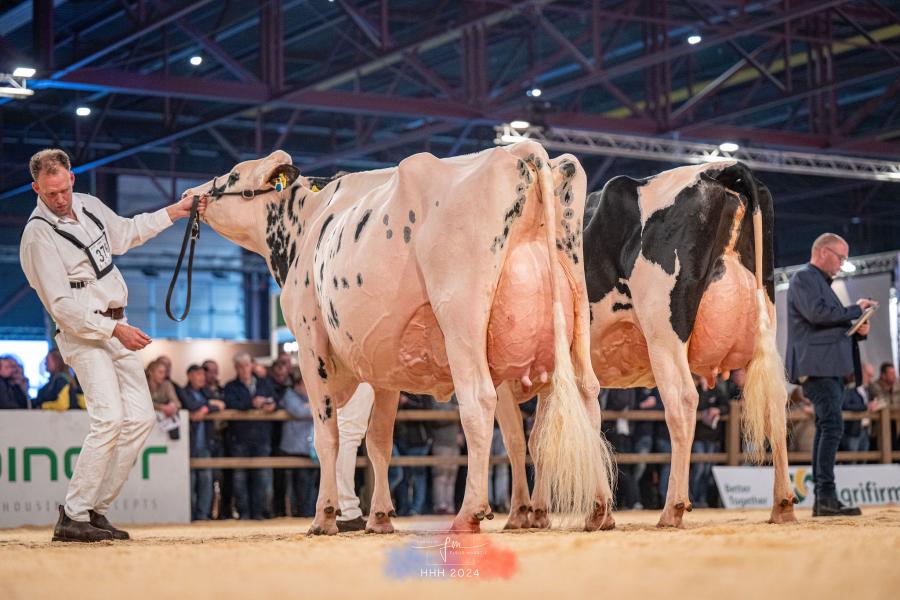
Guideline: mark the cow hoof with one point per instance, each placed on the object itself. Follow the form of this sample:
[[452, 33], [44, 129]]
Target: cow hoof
[[599, 519], [671, 517], [392, 513], [460, 525], [539, 519], [783, 512], [330, 529], [518, 519]]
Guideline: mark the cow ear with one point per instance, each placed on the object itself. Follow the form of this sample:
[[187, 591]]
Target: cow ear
[[285, 175]]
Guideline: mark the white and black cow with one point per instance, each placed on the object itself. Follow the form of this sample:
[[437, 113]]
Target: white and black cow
[[679, 272]]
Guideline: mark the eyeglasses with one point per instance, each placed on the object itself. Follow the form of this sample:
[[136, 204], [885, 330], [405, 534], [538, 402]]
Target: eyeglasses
[[841, 257]]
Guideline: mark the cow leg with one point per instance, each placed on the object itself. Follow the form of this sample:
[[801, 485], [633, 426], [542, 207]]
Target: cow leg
[[680, 398], [326, 441], [540, 506], [600, 518], [510, 419], [477, 403], [379, 442]]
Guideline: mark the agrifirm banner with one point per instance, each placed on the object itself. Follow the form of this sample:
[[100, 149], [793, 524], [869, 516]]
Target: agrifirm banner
[[38, 453], [857, 485]]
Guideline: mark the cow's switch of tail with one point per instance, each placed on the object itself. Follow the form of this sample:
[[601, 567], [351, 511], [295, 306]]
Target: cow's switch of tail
[[571, 454]]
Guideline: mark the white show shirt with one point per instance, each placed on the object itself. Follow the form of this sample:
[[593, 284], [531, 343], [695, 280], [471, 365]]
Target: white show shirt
[[50, 262]]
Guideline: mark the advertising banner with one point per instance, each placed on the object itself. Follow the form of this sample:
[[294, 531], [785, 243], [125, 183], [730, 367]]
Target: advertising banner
[[857, 485], [38, 453]]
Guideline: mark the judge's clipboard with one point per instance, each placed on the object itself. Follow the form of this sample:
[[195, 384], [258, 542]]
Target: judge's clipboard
[[864, 318]]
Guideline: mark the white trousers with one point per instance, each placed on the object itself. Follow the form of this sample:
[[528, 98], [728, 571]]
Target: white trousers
[[121, 411], [353, 421]]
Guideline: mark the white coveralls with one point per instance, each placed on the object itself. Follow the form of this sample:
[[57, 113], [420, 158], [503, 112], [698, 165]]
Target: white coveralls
[[112, 377], [353, 421]]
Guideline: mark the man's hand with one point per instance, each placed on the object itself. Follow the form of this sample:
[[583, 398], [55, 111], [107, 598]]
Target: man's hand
[[170, 409], [649, 402], [198, 414], [258, 401], [865, 303], [269, 407], [864, 329], [131, 337], [182, 208], [217, 404]]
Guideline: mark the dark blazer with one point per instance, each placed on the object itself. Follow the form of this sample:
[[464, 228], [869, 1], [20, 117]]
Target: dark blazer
[[192, 402], [238, 397], [817, 345]]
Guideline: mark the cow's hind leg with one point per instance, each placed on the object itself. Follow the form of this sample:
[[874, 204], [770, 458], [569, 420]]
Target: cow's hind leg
[[510, 419], [540, 504], [379, 442], [326, 442], [601, 517]]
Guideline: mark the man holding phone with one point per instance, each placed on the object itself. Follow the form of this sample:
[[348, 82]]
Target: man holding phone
[[252, 487], [820, 355]]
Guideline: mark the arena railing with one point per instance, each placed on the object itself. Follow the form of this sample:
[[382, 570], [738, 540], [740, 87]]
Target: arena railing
[[732, 455]]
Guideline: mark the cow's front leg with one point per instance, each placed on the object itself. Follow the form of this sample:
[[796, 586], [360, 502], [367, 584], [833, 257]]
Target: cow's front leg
[[326, 443], [510, 420], [477, 403], [379, 442]]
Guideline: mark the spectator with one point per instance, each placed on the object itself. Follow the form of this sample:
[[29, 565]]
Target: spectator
[[856, 399], [885, 391], [18, 379], [252, 487], [498, 475], [280, 374], [12, 396], [222, 477], [445, 442], [167, 363], [412, 440], [652, 436], [619, 435], [194, 398], [164, 396], [707, 440], [802, 430], [60, 378], [297, 440]]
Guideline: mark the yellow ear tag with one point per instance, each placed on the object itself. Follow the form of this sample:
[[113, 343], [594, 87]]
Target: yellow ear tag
[[280, 182], [315, 188]]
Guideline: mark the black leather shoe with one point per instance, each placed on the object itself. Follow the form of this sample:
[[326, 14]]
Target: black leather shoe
[[101, 522], [832, 507], [357, 524], [68, 530]]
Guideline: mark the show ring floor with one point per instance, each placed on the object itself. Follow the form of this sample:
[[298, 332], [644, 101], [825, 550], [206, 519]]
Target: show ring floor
[[721, 554]]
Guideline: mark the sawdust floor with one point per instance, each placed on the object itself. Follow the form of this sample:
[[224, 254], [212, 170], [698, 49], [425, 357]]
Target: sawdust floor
[[721, 554]]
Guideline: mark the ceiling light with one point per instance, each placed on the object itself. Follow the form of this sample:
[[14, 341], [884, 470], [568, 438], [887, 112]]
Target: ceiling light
[[196, 60], [23, 72], [15, 92], [694, 39], [728, 147], [534, 92], [519, 124], [82, 111]]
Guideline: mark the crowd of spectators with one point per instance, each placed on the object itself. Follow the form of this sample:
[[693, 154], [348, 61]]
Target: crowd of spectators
[[264, 493]]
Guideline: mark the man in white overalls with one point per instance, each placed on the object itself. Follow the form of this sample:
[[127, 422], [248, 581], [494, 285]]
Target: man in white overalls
[[66, 254]]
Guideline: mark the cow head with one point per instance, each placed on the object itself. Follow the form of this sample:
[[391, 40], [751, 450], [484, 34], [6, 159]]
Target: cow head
[[236, 207]]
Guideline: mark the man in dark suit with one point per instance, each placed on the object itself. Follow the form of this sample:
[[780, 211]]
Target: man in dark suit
[[820, 355]]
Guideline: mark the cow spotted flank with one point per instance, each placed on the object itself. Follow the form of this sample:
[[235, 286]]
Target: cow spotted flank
[[306, 282], [345, 283], [407, 234], [323, 374], [359, 279], [412, 216], [390, 233], [362, 224], [516, 209]]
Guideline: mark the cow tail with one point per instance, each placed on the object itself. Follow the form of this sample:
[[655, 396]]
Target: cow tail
[[763, 414], [570, 453]]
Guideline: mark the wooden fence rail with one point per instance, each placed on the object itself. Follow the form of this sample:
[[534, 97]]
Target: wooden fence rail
[[731, 456]]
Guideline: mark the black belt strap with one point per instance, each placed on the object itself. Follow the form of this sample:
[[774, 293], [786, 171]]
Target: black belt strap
[[77, 285], [192, 232]]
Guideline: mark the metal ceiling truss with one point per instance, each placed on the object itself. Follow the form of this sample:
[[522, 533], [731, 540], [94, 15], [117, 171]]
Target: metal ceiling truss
[[581, 50], [680, 151]]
